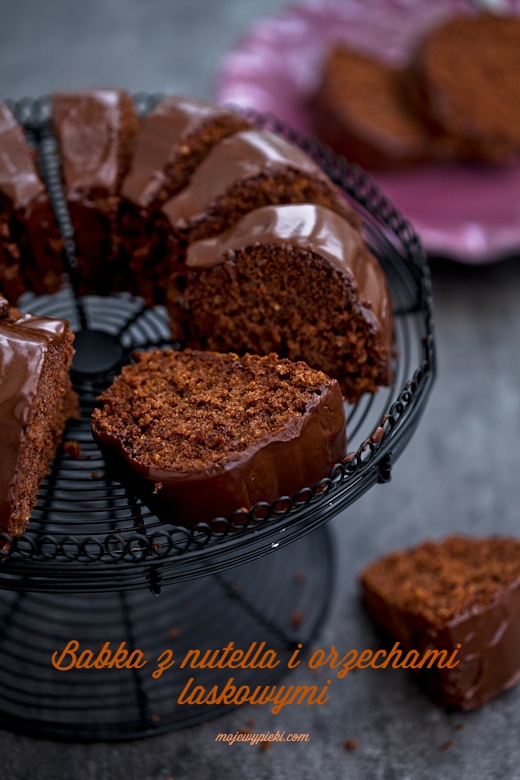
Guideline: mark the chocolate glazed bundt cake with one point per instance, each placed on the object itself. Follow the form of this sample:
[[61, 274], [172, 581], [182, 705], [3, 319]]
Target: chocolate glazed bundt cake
[[255, 250], [333, 303], [244, 171]]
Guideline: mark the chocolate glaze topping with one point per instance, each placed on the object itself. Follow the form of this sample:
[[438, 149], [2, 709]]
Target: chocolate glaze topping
[[489, 638], [19, 179], [312, 228], [24, 340], [95, 130], [89, 125], [483, 623], [159, 134], [242, 155], [29, 233]]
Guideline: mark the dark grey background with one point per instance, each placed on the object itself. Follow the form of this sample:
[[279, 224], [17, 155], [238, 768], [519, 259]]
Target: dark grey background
[[460, 472]]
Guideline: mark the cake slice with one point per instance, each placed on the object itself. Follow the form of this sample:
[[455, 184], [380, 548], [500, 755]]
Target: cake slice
[[459, 595], [245, 171], [198, 435], [361, 109], [466, 76], [172, 141], [36, 399], [294, 279], [248, 170], [95, 131], [30, 245]]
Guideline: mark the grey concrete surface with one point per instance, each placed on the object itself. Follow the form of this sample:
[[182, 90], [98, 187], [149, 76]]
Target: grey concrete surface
[[459, 473]]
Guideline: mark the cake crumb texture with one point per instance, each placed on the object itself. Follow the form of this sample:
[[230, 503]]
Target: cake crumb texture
[[184, 410], [440, 580], [199, 435]]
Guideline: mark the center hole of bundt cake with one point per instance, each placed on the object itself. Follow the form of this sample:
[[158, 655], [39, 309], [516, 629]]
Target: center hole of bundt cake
[[96, 352]]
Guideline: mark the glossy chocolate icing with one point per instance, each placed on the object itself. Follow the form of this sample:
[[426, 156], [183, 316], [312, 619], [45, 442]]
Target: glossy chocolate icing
[[243, 155], [95, 130], [489, 639], [24, 342], [29, 234], [160, 137], [280, 464], [19, 179], [92, 127], [486, 636], [310, 228]]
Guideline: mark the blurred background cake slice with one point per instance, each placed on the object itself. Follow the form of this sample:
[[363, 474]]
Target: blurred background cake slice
[[361, 110], [467, 74]]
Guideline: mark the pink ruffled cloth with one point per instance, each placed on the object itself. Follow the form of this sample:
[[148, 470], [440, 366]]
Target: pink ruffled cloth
[[464, 212]]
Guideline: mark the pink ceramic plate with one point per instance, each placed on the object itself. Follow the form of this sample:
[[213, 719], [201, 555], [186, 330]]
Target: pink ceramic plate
[[467, 213]]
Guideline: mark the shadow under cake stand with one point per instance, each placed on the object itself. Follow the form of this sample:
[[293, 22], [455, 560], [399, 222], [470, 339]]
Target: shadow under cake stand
[[96, 566]]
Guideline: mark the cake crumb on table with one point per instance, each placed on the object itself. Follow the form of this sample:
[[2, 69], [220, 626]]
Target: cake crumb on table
[[72, 448], [297, 618]]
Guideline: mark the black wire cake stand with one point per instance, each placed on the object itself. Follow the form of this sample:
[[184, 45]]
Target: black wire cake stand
[[92, 556]]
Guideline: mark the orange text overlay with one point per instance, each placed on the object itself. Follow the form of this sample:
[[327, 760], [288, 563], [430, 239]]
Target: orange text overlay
[[256, 656]]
